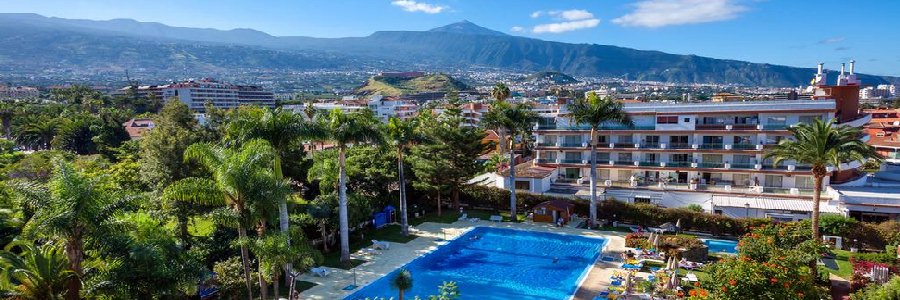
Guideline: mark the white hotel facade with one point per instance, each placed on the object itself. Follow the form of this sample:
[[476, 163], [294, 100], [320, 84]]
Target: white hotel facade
[[709, 154]]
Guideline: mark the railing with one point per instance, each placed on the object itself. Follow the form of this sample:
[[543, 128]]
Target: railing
[[650, 146], [586, 127], [747, 166], [775, 126], [743, 146], [547, 144], [678, 164], [578, 144], [649, 164], [710, 126], [624, 145], [624, 163], [680, 146], [711, 165], [712, 146], [546, 160], [570, 161]]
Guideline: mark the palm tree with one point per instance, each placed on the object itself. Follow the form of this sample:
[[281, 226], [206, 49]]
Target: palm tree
[[36, 272], [242, 180], [402, 134], [822, 145], [72, 207], [517, 121], [37, 132], [402, 282], [283, 130], [500, 94], [595, 111], [345, 130]]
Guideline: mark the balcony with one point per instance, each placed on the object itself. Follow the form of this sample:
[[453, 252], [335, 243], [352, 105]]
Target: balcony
[[571, 145], [570, 161], [650, 146], [546, 160], [711, 165], [622, 127], [623, 145], [678, 164], [775, 127], [745, 166], [679, 146], [649, 164], [713, 146], [743, 146], [546, 144], [624, 163]]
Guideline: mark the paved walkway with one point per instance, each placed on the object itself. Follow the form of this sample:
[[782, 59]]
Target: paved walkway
[[378, 265]]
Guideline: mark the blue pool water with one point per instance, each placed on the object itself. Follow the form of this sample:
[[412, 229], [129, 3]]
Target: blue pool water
[[721, 246], [492, 263]]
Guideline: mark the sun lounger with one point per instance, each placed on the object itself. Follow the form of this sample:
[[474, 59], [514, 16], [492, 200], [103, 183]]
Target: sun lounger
[[321, 271], [496, 218], [689, 265], [380, 245], [371, 251], [473, 220], [464, 216], [691, 277]]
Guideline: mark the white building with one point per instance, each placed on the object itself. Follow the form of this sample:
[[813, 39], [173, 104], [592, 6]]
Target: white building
[[196, 93], [386, 108]]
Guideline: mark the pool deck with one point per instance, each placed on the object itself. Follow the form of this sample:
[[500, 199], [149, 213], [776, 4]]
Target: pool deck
[[385, 261]]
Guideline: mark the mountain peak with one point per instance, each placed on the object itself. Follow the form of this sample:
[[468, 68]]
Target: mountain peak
[[466, 27]]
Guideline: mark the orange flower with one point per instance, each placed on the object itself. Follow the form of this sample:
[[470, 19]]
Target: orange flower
[[724, 289], [732, 282], [680, 294], [773, 280], [703, 293], [693, 293], [697, 283]]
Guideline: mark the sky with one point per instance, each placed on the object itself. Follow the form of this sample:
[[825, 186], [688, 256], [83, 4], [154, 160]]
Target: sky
[[784, 32]]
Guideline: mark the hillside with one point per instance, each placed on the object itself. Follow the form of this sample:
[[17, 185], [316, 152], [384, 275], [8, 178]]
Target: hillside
[[396, 86], [33, 43], [554, 77]]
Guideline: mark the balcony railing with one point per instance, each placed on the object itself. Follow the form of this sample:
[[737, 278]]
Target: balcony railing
[[680, 146], [547, 144], [650, 146], [711, 165], [775, 126], [585, 127], [747, 166], [566, 144], [546, 160], [711, 146], [678, 164], [624, 163], [743, 146], [570, 161], [649, 164], [624, 145]]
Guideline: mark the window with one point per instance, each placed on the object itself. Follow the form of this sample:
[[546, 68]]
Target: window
[[776, 120], [625, 139], [687, 120], [712, 158], [523, 185], [743, 140], [667, 120], [602, 157], [741, 179], [603, 174], [624, 175], [680, 139], [650, 157], [805, 182], [679, 158], [808, 119], [644, 200], [625, 157], [774, 181]]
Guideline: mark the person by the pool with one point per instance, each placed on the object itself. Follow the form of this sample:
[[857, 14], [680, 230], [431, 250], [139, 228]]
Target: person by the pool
[[555, 259]]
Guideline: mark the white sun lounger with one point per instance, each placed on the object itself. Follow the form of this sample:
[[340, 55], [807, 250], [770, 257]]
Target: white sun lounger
[[496, 218], [380, 245], [321, 271]]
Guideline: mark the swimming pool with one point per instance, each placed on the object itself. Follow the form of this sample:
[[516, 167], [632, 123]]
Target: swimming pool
[[721, 246], [493, 263]]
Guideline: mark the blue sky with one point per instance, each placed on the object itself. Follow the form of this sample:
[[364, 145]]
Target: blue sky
[[788, 32]]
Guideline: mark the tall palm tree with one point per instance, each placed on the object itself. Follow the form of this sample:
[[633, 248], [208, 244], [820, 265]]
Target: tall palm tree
[[821, 145], [37, 132], [500, 93], [345, 130], [595, 111], [402, 134], [36, 272], [72, 207], [284, 131], [402, 282], [517, 121], [242, 180]]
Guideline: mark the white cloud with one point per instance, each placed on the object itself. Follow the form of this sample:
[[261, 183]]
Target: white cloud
[[832, 40], [516, 29], [572, 14], [413, 6], [565, 26], [536, 14], [661, 13]]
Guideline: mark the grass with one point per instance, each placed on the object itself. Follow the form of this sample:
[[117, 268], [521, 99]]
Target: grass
[[453, 216], [363, 239], [842, 258]]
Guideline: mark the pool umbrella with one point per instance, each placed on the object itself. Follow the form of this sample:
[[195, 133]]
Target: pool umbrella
[[650, 238], [628, 281], [656, 242], [678, 225]]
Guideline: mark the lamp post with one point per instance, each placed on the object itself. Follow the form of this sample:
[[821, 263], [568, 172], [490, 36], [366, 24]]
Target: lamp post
[[747, 209]]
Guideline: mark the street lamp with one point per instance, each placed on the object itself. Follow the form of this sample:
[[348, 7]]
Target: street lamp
[[747, 209]]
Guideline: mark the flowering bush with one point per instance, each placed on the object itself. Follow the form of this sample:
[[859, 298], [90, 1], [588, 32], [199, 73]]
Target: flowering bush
[[637, 240], [772, 264], [861, 269]]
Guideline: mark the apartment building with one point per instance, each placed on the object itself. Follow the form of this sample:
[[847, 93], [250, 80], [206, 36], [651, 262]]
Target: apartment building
[[196, 93], [18, 92], [710, 154], [392, 107]]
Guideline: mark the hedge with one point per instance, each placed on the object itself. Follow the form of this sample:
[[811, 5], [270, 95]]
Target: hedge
[[638, 214]]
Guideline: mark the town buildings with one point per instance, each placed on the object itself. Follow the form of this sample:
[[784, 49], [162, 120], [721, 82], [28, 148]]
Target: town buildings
[[704, 153], [197, 93], [18, 92]]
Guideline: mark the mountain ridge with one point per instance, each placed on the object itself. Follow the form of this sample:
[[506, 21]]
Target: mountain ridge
[[461, 44]]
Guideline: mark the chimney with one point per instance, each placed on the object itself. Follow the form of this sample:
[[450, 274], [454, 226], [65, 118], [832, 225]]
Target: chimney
[[820, 76], [852, 66], [851, 78], [842, 78]]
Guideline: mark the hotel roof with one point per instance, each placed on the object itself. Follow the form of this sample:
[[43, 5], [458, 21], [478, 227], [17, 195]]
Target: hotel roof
[[749, 106], [771, 204]]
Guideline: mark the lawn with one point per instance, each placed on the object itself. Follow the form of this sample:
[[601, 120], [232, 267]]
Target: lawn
[[842, 258], [452, 216], [362, 239]]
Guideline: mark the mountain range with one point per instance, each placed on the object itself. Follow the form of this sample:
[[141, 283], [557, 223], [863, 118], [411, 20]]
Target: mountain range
[[34, 43]]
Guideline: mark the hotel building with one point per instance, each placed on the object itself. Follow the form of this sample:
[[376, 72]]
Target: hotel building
[[710, 154], [196, 93]]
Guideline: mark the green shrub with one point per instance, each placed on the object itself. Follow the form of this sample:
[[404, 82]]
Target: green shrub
[[888, 291], [834, 224]]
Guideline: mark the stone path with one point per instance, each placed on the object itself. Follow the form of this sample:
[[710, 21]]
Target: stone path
[[385, 261]]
